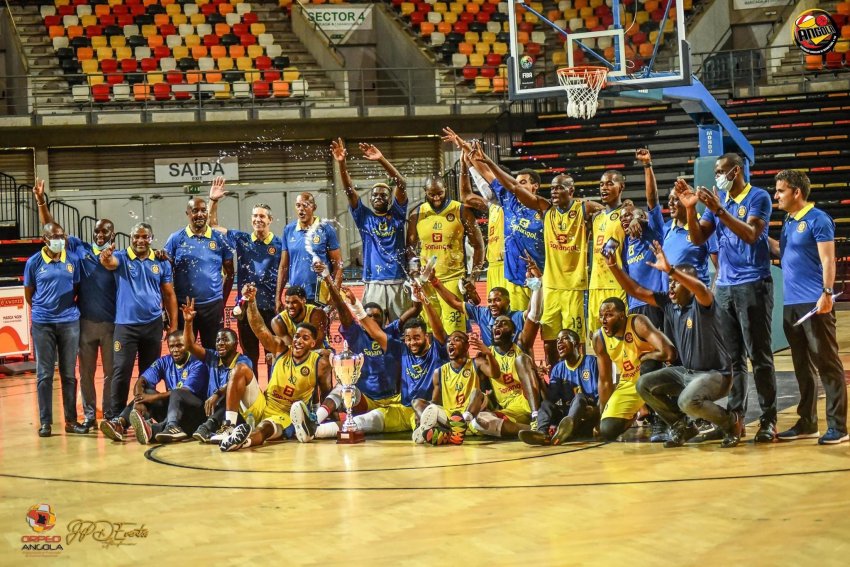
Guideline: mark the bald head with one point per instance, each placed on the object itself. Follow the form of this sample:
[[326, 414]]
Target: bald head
[[196, 212]]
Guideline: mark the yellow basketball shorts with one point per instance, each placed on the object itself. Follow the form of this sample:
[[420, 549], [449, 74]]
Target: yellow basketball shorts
[[496, 276], [624, 401], [262, 412], [515, 410], [520, 296], [562, 309], [381, 403], [595, 299], [452, 319], [398, 418]]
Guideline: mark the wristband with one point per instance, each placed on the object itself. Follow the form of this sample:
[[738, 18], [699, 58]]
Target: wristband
[[358, 311], [647, 165], [41, 204]]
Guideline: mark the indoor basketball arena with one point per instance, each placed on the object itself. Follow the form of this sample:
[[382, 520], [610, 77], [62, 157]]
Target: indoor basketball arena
[[324, 281]]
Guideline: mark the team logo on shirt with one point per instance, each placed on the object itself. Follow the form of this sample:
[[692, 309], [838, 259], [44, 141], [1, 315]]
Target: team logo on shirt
[[562, 238], [70, 268], [466, 374], [180, 384], [117, 346], [524, 223], [690, 323], [614, 216], [629, 338], [450, 217], [801, 227], [742, 211], [155, 269], [185, 374], [212, 245], [437, 237], [272, 250], [305, 371], [571, 215], [537, 216], [585, 375]]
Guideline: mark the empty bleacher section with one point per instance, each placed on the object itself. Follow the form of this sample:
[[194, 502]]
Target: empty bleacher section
[[806, 132], [137, 51]]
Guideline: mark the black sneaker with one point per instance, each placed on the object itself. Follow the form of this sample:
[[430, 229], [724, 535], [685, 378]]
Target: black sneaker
[[223, 432], [141, 428], [205, 431], [534, 437], [660, 432], [798, 431], [766, 433], [304, 423], [237, 439], [680, 432], [564, 431], [112, 429], [833, 437], [171, 434], [733, 438]]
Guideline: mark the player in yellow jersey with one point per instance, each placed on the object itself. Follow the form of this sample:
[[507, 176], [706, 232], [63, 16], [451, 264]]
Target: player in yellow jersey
[[436, 229], [297, 310], [515, 391], [457, 397], [606, 229], [624, 340], [565, 229], [297, 374]]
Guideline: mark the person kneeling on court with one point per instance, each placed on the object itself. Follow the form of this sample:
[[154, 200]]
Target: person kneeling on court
[[688, 390], [180, 371], [624, 340], [296, 373], [571, 398]]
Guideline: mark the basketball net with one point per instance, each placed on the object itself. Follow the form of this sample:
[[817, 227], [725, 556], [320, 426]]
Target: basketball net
[[582, 85]]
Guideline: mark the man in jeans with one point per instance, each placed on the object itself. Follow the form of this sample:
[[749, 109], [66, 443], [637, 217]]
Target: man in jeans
[[97, 308], [51, 277], [739, 213], [704, 372], [807, 249]]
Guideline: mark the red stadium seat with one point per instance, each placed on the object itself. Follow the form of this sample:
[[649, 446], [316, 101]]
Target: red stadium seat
[[129, 65], [247, 40], [493, 59], [149, 64], [115, 78], [162, 91], [271, 75], [488, 71], [101, 92], [211, 40], [470, 72], [174, 77], [834, 60], [261, 89], [262, 63], [250, 18], [108, 65]]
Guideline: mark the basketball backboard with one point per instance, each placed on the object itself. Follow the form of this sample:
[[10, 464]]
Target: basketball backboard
[[643, 45]]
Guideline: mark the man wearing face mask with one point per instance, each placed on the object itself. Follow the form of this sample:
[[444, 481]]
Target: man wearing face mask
[[51, 277], [381, 231], [144, 288], [97, 308], [739, 213], [199, 256]]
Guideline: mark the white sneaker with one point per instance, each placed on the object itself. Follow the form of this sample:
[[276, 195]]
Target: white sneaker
[[429, 418], [224, 431]]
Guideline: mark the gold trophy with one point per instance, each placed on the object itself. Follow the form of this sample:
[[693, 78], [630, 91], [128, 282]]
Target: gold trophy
[[347, 366]]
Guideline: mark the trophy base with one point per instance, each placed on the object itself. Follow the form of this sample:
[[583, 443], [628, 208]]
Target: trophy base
[[350, 437]]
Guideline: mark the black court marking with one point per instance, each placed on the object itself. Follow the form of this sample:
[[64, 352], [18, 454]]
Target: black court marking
[[407, 488], [151, 456]]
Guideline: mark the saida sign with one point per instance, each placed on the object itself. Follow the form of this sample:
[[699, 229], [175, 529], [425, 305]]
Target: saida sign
[[195, 170]]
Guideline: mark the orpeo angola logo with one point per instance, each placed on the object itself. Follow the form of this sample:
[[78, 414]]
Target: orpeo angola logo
[[815, 32], [41, 519]]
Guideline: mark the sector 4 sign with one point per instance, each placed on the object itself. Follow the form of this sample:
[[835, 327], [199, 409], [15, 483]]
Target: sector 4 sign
[[341, 18], [203, 169]]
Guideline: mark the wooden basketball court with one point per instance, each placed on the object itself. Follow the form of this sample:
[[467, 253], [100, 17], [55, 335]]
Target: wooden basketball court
[[389, 502]]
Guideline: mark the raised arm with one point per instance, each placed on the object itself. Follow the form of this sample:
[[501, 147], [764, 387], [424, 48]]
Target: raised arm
[[345, 317], [701, 293], [340, 154], [372, 153], [107, 257], [531, 327], [413, 311], [335, 256], [194, 348], [606, 367], [217, 193], [431, 316], [664, 349], [282, 279], [372, 328], [645, 158], [485, 360], [44, 214], [446, 295], [699, 230], [630, 286], [271, 342], [476, 240]]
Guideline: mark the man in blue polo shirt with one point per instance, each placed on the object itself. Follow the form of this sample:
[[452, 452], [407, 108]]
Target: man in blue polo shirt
[[51, 277], [807, 249], [382, 231], [739, 213], [257, 261], [97, 308], [306, 239], [180, 372], [144, 288], [679, 248], [199, 256], [208, 414]]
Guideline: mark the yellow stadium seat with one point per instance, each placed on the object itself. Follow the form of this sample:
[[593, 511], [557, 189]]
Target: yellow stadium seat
[[407, 8], [291, 74], [90, 66], [482, 48], [179, 19], [441, 7], [488, 37], [500, 48], [255, 51], [99, 41], [105, 53], [225, 63], [180, 51], [192, 40], [155, 77], [559, 59], [450, 17], [471, 37], [89, 20], [224, 93], [95, 80], [476, 60], [257, 28], [117, 41], [244, 63], [123, 53], [482, 85], [456, 7]]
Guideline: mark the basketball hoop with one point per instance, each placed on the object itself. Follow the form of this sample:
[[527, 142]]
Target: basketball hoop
[[582, 84]]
